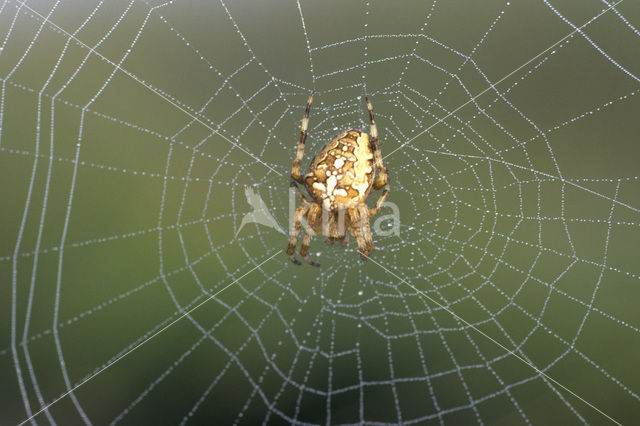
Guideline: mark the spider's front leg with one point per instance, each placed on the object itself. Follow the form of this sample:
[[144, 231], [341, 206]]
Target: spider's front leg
[[295, 170], [359, 227], [383, 177], [296, 178], [293, 184]]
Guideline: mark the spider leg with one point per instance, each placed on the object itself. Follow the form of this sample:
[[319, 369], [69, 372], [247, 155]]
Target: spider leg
[[364, 227], [385, 193], [295, 170], [293, 184], [297, 220], [308, 233], [335, 229], [329, 241], [359, 218], [383, 177]]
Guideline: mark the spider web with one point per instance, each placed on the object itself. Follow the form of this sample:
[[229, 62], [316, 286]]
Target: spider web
[[131, 130]]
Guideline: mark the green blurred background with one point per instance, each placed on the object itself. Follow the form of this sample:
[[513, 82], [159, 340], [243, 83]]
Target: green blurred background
[[119, 212]]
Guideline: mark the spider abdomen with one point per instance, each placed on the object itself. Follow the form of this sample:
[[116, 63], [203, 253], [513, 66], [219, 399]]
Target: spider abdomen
[[341, 174]]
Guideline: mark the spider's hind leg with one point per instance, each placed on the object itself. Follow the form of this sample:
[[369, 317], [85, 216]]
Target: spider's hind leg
[[359, 218], [297, 221], [315, 211]]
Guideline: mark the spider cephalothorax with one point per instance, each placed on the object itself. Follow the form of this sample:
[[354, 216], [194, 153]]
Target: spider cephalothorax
[[339, 179]]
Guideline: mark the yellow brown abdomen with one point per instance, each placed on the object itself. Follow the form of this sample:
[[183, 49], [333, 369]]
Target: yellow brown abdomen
[[341, 174]]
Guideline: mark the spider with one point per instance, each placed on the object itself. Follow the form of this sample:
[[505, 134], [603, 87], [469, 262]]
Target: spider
[[339, 179]]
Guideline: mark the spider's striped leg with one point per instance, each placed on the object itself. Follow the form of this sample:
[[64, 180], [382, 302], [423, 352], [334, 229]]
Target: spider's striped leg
[[314, 215], [293, 184], [295, 170], [383, 177], [335, 229], [359, 218], [385, 193], [344, 240], [297, 220], [364, 227]]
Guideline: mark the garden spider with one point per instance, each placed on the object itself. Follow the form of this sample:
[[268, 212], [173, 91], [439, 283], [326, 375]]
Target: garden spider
[[339, 179]]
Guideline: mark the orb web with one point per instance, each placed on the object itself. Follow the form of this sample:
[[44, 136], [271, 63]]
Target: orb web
[[132, 131]]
